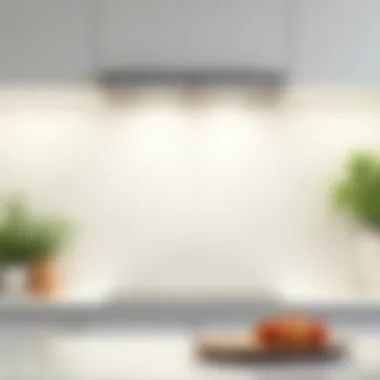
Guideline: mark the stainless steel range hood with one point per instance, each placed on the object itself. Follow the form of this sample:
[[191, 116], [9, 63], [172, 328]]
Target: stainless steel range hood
[[194, 42], [119, 77]]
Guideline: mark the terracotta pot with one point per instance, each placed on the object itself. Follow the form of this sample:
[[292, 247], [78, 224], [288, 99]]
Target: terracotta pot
[[43, 278]]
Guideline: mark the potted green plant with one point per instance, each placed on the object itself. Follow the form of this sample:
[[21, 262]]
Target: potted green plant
[[30, 244], [357, 194], [45, 238]]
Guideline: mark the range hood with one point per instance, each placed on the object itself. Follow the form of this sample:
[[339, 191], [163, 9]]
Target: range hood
[[120, 77], [191, 42]]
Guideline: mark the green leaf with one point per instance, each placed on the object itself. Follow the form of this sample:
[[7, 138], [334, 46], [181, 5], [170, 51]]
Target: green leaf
[[358, 191], [25, 237]]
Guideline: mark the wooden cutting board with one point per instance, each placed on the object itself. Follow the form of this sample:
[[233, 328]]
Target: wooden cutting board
[[242, 347]]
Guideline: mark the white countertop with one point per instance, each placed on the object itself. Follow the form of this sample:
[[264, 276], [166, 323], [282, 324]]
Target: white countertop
[[156, 355], [159, 313]]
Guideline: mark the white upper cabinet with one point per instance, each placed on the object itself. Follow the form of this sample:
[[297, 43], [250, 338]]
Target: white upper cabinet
[[46, 40], [337, 42]]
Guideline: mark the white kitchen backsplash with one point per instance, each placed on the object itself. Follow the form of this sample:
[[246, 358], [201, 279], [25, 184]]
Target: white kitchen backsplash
[[215, 192]]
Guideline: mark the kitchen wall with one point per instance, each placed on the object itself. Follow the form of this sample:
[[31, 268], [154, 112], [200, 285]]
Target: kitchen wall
[[215, 191]]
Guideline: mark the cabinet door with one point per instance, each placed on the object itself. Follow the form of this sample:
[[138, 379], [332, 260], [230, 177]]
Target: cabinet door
[[45, 40], [194, 35], [338, 41]]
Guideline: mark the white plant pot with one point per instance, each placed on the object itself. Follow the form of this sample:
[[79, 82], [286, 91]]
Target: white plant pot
[[13, 281], [368, 262]]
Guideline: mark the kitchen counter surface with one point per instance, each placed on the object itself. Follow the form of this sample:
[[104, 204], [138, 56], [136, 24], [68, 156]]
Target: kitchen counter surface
[[133, 354], [178, 312]]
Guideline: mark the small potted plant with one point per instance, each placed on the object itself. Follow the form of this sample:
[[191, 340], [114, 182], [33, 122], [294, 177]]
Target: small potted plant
[[45, 237], [357, 193], [30, 244]]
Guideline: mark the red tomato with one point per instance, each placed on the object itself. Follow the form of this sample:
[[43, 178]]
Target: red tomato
[[291, 331], [318, 334], [295, 330], [269, 332]]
